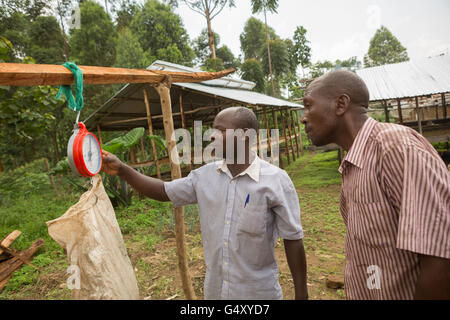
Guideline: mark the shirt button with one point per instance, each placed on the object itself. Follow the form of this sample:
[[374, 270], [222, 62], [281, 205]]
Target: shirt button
[[225, 244], [228, 221]]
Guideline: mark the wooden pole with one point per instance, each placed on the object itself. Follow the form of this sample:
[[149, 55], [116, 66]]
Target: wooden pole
[[444, 105], [418, 115], [299, 132], [386, 111], [295, 133], [99, 133], [150, 130], [183, 124], [258, 147], [399, 108], [286, 145], [268, 131], [275, 122], [163, 90], [290, 135]]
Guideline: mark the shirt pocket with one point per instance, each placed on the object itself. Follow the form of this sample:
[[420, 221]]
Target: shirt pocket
[[252, 221]]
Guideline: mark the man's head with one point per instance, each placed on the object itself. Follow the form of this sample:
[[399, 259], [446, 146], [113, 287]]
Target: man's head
[[331, 102], [235, 118]]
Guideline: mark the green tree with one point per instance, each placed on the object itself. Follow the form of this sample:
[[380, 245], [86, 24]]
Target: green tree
[[251, 70], [94, 43], [161, 33], [279, 66], [223, 53], [229, 61], [209, 9], [129, 51], [46, 41], [124, 15], [264, 6], [301, 53], [253, 38], [384, 48], [201, 46]]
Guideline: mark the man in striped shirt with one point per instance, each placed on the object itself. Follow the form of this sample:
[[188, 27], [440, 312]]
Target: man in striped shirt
[[395, 197]]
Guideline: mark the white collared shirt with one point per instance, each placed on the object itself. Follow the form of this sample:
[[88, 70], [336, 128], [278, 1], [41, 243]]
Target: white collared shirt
[[241, 219]]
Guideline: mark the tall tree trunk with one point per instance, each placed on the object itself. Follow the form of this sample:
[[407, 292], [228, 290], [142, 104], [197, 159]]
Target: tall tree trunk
[[63, 31], [210, 33], [268, 53]]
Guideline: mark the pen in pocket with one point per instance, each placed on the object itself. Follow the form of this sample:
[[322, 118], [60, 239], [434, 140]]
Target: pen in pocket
[[247, 200]]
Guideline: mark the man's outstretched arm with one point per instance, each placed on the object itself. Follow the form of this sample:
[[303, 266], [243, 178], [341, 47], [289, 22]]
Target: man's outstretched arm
[[295, 255], [148, 186]]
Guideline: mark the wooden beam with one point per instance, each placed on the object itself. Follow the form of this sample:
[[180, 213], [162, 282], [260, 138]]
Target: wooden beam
[[19, 74], [163, 90], [9, 239], [275, 122], [386, 111], [150, 131]]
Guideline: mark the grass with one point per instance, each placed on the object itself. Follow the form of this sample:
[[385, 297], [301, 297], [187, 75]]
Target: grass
[[147, 228]]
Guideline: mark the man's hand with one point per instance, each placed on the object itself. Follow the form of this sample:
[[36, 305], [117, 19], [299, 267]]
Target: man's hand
[[296, 258], [110, 163]]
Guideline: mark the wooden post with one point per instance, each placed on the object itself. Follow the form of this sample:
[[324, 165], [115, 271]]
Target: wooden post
[[444, 105], [290, 135], [99, 133], [150, 130], [295, 133], [418, 115], [258, 147], [143, 149], [286, 145], [275, 122], [1, 166], [386, 111], [268, 131], [47, 167], [163, 90], [299, 132], [399, 108], [183, 124]]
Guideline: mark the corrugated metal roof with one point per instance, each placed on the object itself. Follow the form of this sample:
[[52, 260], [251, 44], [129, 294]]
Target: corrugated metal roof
[[245, 96], [408, 79], [228, 82]]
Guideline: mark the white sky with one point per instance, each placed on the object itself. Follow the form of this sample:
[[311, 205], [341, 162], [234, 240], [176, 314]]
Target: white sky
[[339, 29]]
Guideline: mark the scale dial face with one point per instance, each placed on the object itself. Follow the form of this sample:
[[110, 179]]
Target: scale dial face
[[92, 154], [84, 152]]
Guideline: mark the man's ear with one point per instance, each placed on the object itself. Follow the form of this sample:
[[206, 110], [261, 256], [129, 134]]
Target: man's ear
[[342, 104]]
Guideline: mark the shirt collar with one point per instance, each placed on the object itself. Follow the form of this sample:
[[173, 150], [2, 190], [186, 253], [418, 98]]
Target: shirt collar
[[354, 155], [252, 171]]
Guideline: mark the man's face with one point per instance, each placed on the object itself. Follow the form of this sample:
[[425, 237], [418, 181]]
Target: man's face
[[319, 116], [222, 122]]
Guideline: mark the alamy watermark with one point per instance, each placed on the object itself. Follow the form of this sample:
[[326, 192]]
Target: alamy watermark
[[374, 280], [73, 281], [230, 144]]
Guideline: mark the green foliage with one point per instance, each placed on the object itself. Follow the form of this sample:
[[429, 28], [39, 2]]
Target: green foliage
[[384, 48], [253, 39], [251, 70], [5, 48], [213, 65], [129, 51], [94, 43], [301, 53], [201, 46], [264, 5], [46, 41], [123, 143], [161, 33], [229, 61]]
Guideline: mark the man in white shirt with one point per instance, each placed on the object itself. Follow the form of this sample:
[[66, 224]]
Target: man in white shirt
[[243, 208]]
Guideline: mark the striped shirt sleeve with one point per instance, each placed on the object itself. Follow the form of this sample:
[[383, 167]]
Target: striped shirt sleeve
[[417, 185]]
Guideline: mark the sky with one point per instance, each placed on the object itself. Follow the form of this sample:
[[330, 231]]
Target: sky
[[339, 29]]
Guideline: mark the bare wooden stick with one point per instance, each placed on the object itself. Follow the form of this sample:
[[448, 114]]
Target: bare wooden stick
[[268, 131], [286, 146], [52, 181], [163, 90], [295, 133], [290, 134]]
